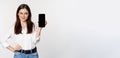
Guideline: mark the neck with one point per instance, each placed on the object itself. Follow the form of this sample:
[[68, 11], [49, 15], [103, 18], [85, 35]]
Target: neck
[[23, 24]]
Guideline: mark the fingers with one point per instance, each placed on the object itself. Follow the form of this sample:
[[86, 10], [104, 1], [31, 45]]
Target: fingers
[[45, 22], [18, 47]]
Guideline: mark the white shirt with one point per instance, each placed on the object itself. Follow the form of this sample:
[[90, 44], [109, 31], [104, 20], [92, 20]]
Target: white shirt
[[26, 41]]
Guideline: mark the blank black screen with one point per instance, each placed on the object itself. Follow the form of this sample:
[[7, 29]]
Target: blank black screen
[[41, 20]]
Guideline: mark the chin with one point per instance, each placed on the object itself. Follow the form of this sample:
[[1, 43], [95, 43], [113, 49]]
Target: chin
[[23, 20]]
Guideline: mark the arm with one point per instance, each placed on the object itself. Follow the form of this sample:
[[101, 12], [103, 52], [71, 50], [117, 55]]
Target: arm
[[18, 47], [5, 41], [11, 48], [38, 32]]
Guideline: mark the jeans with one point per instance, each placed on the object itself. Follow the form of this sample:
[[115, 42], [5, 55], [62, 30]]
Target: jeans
[[22, 55]]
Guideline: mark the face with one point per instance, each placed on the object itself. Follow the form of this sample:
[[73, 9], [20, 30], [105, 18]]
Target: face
[[23, 15]]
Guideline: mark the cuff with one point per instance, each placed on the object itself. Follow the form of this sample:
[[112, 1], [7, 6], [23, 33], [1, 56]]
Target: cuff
[[5, 44]]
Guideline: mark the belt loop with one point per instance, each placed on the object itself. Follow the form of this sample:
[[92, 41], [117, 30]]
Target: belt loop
[[31, 51], [21, 51]]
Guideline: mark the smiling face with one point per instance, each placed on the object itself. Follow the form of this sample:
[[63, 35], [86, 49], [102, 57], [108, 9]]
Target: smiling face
[[23, 15]]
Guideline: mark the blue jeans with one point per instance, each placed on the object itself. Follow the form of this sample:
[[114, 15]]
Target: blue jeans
[[22, 55]]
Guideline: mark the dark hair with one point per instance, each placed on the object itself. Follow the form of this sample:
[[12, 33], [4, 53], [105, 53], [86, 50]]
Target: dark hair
[[30, 25]]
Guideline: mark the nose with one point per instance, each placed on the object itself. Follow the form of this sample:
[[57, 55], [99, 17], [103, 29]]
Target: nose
[[23, 16]]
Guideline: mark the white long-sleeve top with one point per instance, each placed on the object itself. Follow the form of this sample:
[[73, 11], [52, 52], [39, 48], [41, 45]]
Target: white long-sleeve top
[[26, 41]]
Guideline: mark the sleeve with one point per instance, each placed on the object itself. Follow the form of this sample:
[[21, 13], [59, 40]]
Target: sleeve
[[35, 38], [5, 38]]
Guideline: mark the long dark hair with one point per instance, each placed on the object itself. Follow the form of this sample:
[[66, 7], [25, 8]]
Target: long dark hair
[[30, 25]]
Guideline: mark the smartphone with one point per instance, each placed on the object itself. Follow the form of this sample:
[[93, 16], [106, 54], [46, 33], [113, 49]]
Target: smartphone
[[41, 20]]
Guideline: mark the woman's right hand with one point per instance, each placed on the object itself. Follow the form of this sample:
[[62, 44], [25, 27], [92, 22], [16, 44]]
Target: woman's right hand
[[17, 47]]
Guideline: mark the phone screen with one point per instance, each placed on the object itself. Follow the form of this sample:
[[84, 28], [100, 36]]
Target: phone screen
[[41, 20]]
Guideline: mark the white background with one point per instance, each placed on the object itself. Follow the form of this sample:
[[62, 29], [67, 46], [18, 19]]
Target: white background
[[75, 29]]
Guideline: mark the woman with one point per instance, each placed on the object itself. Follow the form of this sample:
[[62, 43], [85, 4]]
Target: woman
[[24, 33]]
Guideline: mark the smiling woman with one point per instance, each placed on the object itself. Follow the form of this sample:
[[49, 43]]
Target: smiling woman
[[24, 35], [23, 15]]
